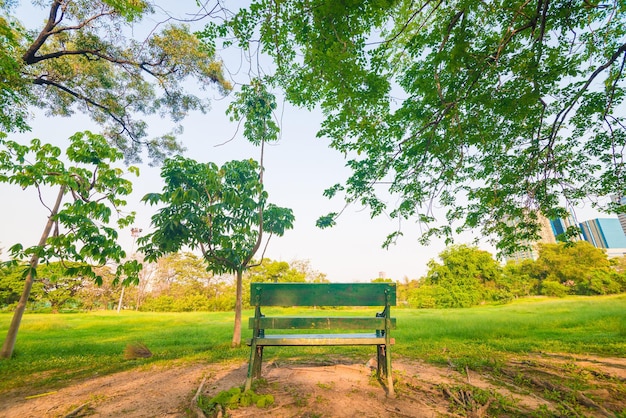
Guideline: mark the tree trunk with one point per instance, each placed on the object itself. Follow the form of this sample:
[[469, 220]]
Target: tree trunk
[[238, 305], [9, 342], [119, 304]]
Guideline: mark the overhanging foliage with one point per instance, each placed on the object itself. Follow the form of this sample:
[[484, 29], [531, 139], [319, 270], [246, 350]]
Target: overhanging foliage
[[492, 111]]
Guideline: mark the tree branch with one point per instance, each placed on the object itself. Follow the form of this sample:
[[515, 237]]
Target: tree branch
[[49, 30], [45, 32], [560, 118], [81, 24], [44, 82]]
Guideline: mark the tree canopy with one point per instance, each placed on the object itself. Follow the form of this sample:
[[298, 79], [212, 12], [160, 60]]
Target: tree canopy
[[85, 58], [81, 228], [579, 268], [492, 111], [275, 271], [221, 211]]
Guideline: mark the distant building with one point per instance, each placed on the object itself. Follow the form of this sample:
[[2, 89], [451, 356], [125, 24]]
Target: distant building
[[605, 233], [528, 254], [621, 216], [547, 236], [548, 232], [559, 226]]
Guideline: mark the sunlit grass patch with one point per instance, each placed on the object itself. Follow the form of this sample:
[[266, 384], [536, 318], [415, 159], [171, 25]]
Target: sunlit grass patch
[[54, 349]]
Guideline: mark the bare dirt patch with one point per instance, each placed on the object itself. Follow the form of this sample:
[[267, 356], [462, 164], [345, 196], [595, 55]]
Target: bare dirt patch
[[540, 385]]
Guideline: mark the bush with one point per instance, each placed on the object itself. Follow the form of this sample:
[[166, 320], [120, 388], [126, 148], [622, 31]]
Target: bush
[[601, 283], [425, 296], [500, 296], [192, 303], [161, 303], [554, 288], [438, 296]]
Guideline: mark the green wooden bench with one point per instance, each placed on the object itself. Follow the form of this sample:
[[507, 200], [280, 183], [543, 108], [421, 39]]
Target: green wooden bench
[[323, 294]]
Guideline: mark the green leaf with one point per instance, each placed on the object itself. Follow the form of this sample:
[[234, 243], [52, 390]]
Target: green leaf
[[327, 220]]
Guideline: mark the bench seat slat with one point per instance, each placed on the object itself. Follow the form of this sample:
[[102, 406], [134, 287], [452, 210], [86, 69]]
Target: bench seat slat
[[333, 322], [320, 339]]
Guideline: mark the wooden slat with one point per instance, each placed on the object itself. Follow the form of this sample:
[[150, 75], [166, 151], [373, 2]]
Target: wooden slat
[[332, 322], [320, 339], [322, 294]]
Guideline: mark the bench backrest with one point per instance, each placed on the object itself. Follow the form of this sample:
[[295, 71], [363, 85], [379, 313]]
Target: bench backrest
[[322, 294]]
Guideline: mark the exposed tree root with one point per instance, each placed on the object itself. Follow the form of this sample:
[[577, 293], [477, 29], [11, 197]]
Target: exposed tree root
[[76, 412], [546, 384], [465, 399], [194, 401]]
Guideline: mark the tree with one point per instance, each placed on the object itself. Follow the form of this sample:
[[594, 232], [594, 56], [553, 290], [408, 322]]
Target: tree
[[185, 269], [12, 285], [82, 59], [579, 268], [104, 295], [311, 275], [518, 278], [620, 264], [490, 110], [462, 278], [78, 230], [182, 280], [59, 287], [276, 272], [220, 211]]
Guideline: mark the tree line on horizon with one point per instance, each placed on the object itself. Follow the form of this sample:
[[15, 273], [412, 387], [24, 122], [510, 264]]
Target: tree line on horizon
[[463, 276]]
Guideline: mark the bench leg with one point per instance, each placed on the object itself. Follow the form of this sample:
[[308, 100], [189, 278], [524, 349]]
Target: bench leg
[[254, 365], [381, 363], [388, 372], [258, 360], [383, 373]]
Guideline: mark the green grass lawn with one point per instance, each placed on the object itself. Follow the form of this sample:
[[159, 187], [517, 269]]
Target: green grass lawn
[[52, 349]]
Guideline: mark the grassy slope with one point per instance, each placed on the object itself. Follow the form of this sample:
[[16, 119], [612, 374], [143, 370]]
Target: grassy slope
[[54, 348]]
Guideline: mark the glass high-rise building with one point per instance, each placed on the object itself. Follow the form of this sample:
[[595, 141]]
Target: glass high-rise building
[[547, 235], [604, 233], [621, 216]]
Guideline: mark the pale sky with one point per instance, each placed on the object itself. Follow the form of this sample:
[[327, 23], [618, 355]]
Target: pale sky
[[298, 168]]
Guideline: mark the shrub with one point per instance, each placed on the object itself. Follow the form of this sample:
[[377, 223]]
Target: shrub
[[192, 303], [424, 297], [601, 283], [162, 303], [554, 288]]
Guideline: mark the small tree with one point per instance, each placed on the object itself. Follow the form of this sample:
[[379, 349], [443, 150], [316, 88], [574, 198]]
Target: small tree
[[79, 229], [222, 212]]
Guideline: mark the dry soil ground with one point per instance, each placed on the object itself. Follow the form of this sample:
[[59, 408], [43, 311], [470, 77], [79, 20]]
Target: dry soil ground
[[540, 385]]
